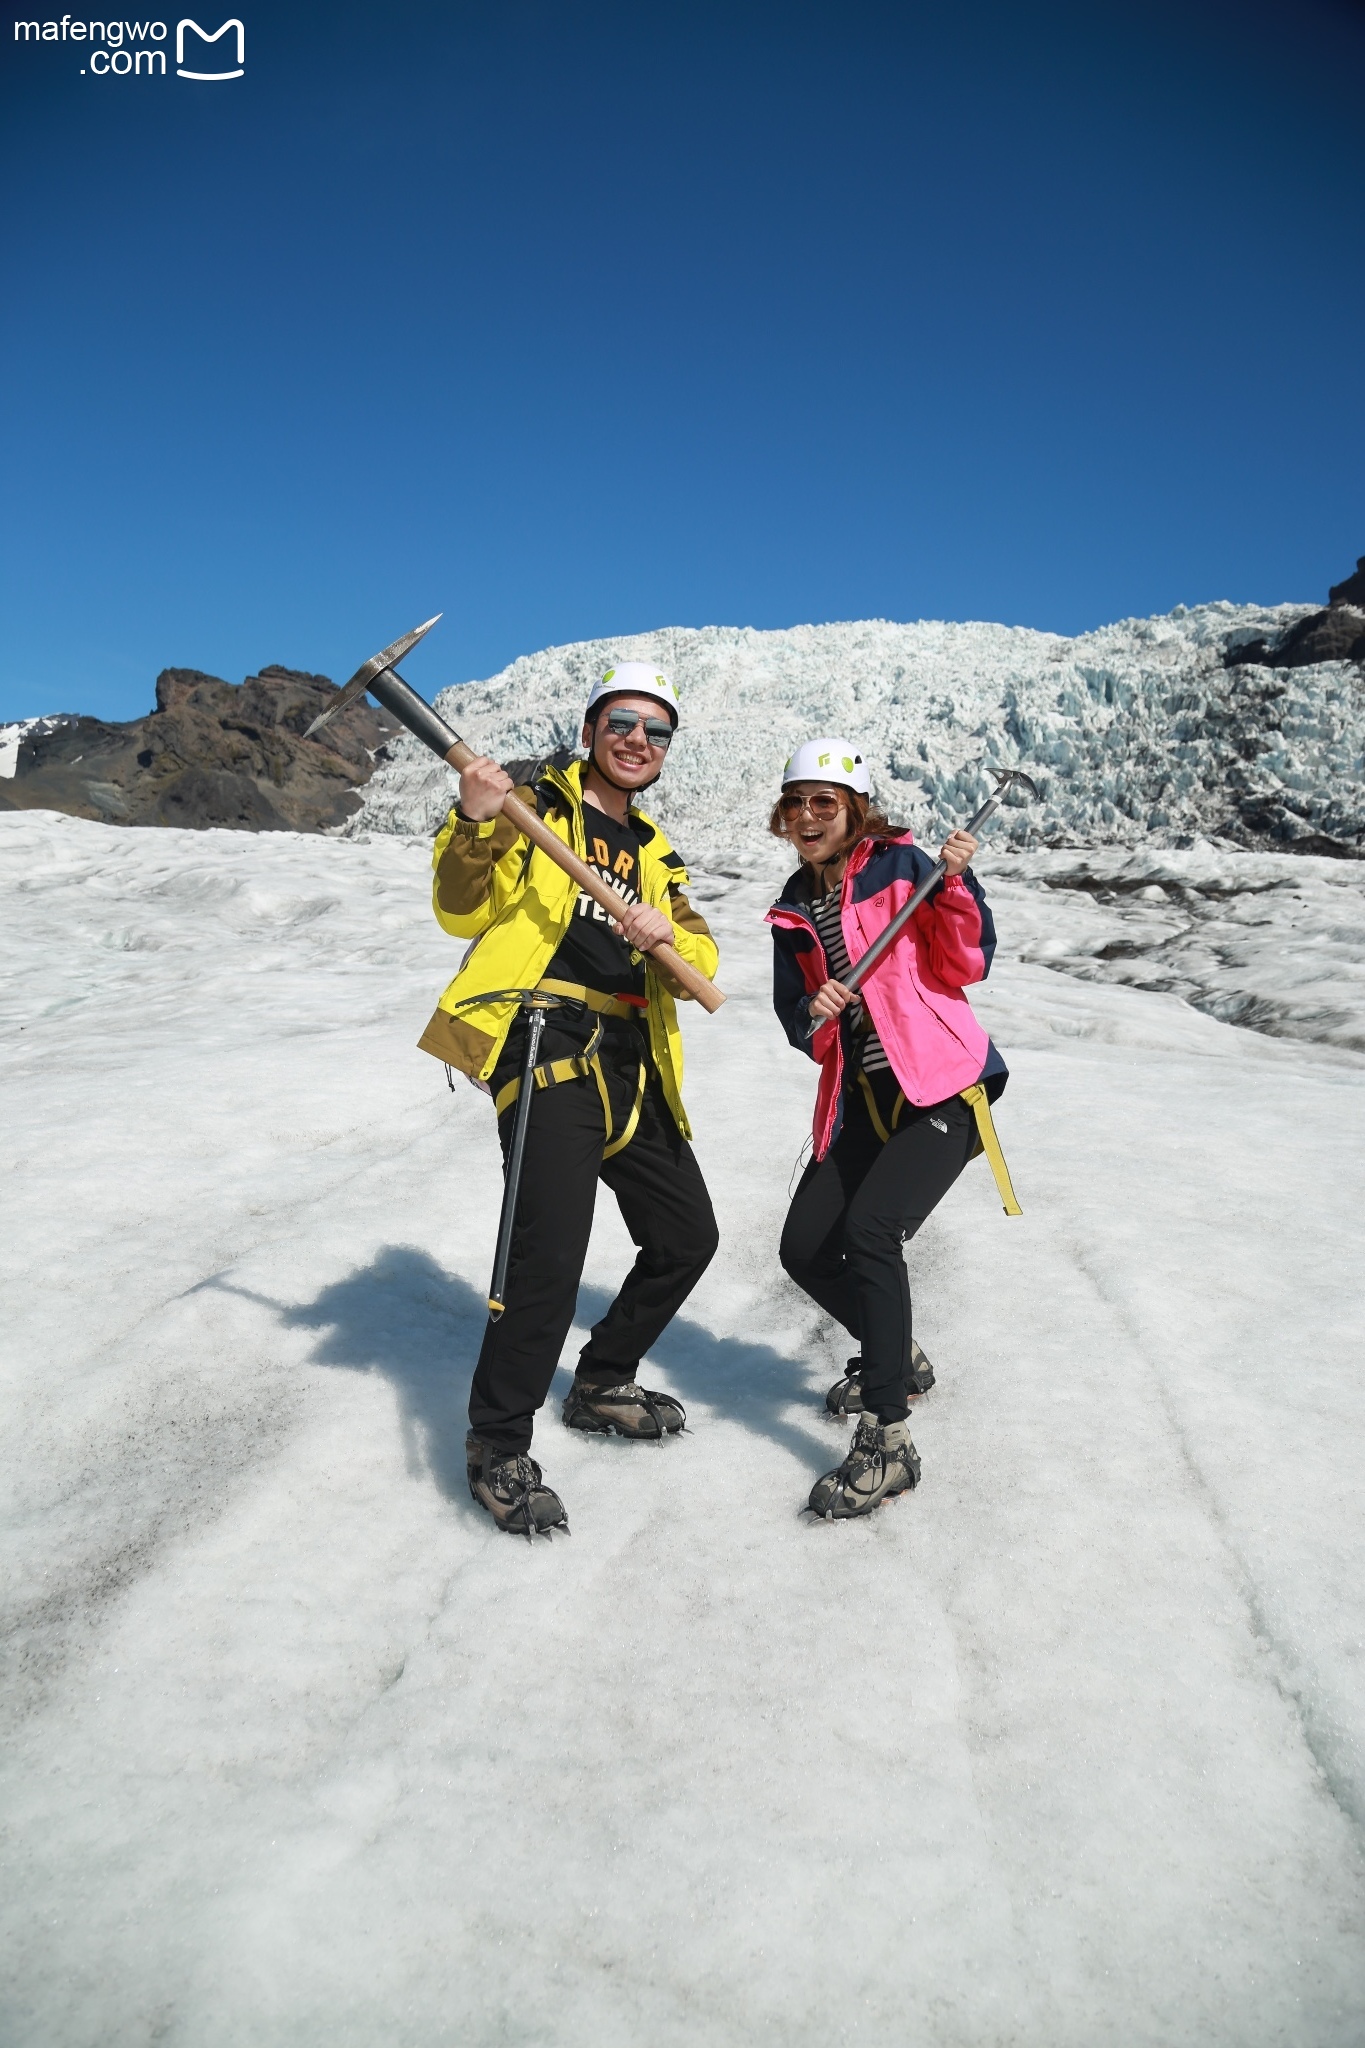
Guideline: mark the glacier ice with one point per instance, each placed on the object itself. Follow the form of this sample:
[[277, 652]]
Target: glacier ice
[[1139, 732], [1066, 1751]]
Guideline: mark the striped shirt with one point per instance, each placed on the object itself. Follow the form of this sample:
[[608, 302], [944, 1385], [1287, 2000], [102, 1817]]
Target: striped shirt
[[825, 914]]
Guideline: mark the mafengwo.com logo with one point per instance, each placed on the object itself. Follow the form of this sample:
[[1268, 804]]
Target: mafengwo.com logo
[[135, 49]]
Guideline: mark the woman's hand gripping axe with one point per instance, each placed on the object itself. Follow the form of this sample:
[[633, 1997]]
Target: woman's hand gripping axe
[[882, 944], [379, 678]]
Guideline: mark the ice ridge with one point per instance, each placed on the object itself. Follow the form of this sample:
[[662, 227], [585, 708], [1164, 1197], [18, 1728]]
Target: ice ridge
[[1146, 732]]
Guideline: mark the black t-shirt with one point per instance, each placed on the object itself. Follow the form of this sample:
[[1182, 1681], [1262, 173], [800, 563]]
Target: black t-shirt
[[590, 951]]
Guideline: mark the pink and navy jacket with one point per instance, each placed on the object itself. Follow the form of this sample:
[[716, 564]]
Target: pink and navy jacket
[[914, 998]]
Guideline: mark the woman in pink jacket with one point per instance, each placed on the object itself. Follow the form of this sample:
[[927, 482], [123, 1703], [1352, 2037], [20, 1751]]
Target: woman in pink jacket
[[892, 1127]]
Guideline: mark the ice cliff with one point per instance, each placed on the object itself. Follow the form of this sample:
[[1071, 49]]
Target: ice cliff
[[1147, 732]]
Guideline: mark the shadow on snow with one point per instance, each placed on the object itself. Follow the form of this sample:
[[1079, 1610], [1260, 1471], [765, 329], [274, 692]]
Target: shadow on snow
[[405, 1317]]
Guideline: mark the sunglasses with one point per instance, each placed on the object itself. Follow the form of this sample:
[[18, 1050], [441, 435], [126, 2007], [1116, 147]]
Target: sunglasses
[[658, 731], [823, 806]]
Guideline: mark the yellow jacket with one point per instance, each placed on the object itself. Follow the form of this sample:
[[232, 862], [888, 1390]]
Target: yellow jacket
[[491, 885]]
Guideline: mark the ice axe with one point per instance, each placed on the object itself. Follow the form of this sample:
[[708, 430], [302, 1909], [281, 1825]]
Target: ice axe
[[535, 1024], [1005, 778], [379, 677]]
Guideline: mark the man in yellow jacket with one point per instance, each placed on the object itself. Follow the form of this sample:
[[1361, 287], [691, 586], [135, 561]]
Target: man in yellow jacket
[[608, 1101]]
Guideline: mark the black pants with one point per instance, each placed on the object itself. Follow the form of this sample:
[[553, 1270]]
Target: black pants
[[664, 1205], [849, 1218]]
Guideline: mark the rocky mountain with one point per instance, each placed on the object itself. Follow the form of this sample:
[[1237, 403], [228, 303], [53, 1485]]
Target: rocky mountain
[[212, 753], [1352, 591], [1241, 725], [1336, 634], [1155, 732]]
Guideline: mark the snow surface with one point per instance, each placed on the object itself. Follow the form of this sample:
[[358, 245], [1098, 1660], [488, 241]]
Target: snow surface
[[1271, 941], [1064, 1749], [12, 738], [1138, 733]]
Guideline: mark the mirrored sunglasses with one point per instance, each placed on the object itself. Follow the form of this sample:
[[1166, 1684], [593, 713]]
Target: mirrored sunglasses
[[823, 806], [658, 731]]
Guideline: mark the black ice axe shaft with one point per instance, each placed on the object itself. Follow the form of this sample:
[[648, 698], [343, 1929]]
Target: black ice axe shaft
[[882, 945], [380, 678], [516, 1153]]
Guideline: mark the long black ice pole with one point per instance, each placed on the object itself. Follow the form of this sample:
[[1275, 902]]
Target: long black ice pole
[[882, 945], [497, 1292]]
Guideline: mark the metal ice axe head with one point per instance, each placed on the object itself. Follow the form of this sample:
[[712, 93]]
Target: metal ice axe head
[[1005, 776], [425, 723], [1005, 780], [369, 671]]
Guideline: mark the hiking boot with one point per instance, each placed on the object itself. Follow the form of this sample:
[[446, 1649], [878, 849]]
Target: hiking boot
[[881, 1463], [845, 1397], [509, 1485], [628, 1410]]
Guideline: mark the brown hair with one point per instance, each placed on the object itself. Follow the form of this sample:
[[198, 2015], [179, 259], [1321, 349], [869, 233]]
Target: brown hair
[[865, 820]]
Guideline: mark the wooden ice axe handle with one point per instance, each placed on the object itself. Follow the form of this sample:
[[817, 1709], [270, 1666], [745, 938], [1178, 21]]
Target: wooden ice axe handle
[[539, 833], [428, 726]]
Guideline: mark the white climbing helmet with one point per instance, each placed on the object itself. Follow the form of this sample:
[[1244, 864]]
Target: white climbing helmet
[[831, 760], [635, 679]]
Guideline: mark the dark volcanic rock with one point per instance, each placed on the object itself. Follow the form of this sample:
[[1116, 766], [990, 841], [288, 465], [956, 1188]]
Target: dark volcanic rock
[[212, 753], [1337, 634]]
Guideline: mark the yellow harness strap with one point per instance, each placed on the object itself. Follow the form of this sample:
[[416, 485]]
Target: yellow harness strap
[[986, 1140], [577, 1068], [615, 1145], [978, 1102], [878, 1126], [604, 1006], [545, 1076]]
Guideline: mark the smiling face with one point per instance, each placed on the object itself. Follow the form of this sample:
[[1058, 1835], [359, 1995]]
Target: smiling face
[[819, 829], [628, 759]]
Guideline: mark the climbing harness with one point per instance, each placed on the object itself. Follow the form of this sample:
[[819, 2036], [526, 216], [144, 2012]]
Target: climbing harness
[[536, 1003], [978, 1102], [588, 1062]]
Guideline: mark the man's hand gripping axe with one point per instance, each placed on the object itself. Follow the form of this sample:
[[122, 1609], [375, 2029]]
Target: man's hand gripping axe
[[882, 944], [379, 677]]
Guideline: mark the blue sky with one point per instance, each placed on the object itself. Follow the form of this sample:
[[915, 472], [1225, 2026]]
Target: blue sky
[[574, 320]]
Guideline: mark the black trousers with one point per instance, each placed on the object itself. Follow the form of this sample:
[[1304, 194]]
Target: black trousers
[[664, 1205], [849, 1218]]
